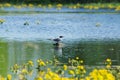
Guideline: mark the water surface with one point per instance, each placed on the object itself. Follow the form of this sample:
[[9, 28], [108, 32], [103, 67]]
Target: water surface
[[92, 37]]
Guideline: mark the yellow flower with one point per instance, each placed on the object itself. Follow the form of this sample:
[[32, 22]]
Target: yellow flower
[[47, 62], [41, 73], [30, 5], [49, 6], [65, 67], [78, 5], [2, 78], [100, 77], [84, 71], [96, 7], [77, 71], [38, 60], [87, 78], [48, 69], [30, 63], [7, 5], [39, 5], [71, 72], [81, 61], [24, 71], [9, 77], [2, 21], [80, 67], [39, 78], [47, 77], [77, 58], [108, 66], [101, 74], [41, 63], [108, 60], [59, 5], [21, 77]]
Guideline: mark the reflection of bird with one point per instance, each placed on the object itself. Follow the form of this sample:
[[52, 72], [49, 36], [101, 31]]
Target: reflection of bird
[[57, 41]]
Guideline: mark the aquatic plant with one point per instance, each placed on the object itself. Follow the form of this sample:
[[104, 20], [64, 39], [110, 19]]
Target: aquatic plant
[[59, 6], [2, 21], [97, 24], [100, 74], [76, 71], [116, 72], [108, 63], [26, 23]]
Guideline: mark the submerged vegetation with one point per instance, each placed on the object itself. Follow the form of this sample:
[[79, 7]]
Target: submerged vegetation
[[74, 70]]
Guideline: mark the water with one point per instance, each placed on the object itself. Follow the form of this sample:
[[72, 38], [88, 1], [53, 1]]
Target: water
[[21, 52], [93, 53], [55, 10], [72, 26], [92, 37]]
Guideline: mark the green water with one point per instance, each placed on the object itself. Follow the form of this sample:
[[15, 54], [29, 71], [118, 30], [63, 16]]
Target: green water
[[95, 52], [92, 52], [21, 52]]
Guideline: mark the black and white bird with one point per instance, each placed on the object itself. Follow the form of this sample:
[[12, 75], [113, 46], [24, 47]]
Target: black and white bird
[[57, 39]]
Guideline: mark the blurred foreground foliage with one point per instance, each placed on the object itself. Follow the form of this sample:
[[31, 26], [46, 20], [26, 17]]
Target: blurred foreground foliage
[[58, 1]]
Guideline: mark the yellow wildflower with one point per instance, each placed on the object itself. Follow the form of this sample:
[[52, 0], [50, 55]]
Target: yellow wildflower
[[77, 58], [71, 72], [81, 61], [30, 63], [108, 60], [24, 71], [49, 6], [47, 77], [65, 67], [108, 66], [2, 21], [2, 78], [39, 78], [59, 5], [9, 77], [80, 67], [41, 63]]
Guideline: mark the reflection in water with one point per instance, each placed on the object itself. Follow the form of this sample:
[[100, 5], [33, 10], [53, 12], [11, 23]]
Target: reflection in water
[[20, 52], [3, 58], [58, 49], [93, 53], [58, 45]]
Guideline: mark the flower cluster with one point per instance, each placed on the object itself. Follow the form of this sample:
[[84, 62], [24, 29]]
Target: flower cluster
[[100, 74], [44, 70], [108, 63], [59, 6]]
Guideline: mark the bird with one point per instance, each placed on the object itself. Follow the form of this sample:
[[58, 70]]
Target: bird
[[26, 23], [58, 39]]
